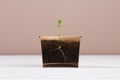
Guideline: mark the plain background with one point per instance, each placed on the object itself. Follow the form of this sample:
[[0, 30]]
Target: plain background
[[22, 21]]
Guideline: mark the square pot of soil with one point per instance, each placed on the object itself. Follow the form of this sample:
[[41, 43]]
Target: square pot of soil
[[60, 52]]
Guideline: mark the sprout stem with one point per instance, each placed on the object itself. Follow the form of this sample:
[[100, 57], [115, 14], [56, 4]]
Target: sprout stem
[[59, 33]]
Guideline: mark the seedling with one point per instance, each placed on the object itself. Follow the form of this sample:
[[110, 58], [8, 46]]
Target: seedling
[[59, 25], [59, 46], [60, 51]]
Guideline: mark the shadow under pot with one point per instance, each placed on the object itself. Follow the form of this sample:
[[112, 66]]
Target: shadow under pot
[[60, 51]]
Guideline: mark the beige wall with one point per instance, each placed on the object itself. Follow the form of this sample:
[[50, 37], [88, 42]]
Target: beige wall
[[22, 21]]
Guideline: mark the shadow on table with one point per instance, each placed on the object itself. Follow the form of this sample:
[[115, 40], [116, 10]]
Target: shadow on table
[[84, 66]]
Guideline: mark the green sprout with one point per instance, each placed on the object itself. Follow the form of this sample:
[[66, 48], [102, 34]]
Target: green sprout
[[59, 25], [59, 46]]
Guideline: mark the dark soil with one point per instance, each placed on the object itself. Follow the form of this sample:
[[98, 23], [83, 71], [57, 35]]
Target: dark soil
[[51, 53]]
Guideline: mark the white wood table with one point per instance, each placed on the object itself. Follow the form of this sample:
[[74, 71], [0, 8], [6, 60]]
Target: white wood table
[[29, 67]]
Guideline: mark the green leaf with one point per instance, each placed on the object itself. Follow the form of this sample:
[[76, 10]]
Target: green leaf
[[59, 22]]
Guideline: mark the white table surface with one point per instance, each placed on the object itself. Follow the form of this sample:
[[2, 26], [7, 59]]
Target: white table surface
[[29, 67]]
